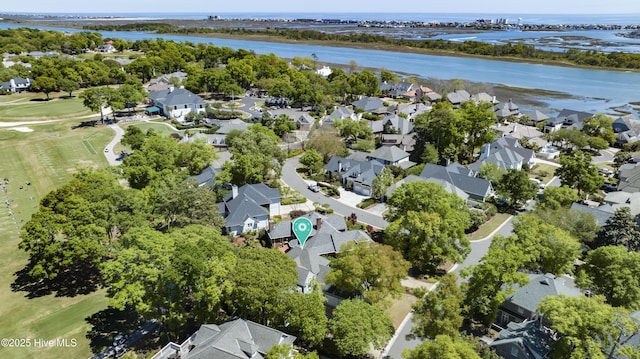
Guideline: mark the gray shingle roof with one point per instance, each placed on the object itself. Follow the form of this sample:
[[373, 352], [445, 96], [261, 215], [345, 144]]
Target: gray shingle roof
[[235, 339], [177, 96], [540, 286], [207, 177], [601, 213], [368, 104], [389, 154], [531, 340], [474, 187], [458, 97]]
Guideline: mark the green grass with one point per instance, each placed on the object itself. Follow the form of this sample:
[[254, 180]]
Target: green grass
[[46, 157], [542, 171], [43, 110], [487, 228], [158, 127], [400, 307]]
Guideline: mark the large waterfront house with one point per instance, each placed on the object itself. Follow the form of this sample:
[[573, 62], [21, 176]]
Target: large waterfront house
[[177, 102]]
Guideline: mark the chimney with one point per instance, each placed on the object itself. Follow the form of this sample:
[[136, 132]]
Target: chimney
[[272, 225], [318, 223], [171, 88], [234, 191], [339, 166]]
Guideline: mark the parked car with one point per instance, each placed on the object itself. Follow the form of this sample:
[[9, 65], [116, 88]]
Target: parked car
[[314, 188], [120, 339], [538, 182], [607, 187]]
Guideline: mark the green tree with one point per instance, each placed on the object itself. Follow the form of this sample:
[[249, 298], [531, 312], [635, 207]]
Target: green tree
[[357, 325], [286, 351], [312, 161], [328, 143], [443, 346], [352, 130], [305, 316], [95, 99], [516, 188], [600, 126], [620, 229], [263, 277], [544, 246], [370, 269], [588, 327], [381, 183], [45, 84], [492, 280], [427, 225], [492, 173], [613, 272], [554, 198], [578, 172], [68, 85], [133, 137], [439, 311], [256, 157], [579, 224]]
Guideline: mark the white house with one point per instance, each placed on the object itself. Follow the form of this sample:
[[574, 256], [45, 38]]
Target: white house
[[177, 102]]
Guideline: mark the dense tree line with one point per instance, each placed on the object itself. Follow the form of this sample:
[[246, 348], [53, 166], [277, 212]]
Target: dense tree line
[[617, 60]]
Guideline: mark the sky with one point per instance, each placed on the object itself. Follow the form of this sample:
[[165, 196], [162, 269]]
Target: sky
[[212, 7]]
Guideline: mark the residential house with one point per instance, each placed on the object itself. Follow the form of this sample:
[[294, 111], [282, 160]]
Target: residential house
[[523, 304], [177, 102], [461, 177], [40, 54], [484, 97], [629, 177], [627, 129], [370, 104], [17, 84], [526, 340], [107, 47], [177, 76], [304, 122], [397, 89], [355, 174], [325, 71], [601, 213], [341, 113], [218, 139], [535, 116], [329, 233], [423, 93], [448, 186], [404, 142], [567, 119], [391, 124], [505, 152], [619, 199], [507, 109], [235, 339], [391, 156], [249, 207], [458, 97], [412, 109], [207, 177]]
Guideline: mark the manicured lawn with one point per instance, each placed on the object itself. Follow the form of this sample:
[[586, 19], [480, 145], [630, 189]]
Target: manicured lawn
[[158, 127], [490, 226], [544, 172], [46, 157], [400, 308], [38, 110]]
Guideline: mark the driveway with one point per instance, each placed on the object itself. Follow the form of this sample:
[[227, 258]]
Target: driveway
[[292, 179], [108, 150]]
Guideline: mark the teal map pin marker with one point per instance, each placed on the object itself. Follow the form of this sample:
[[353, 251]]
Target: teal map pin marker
[[302, 229]]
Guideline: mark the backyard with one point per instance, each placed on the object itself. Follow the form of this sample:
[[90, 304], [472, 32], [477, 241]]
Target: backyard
[[37, 158]]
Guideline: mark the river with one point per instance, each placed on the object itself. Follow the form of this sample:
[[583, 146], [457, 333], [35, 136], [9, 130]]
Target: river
[[593, 90]]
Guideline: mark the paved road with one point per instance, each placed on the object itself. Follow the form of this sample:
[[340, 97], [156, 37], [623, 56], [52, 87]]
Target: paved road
[[293, 180], [108, 151], [478, 250]]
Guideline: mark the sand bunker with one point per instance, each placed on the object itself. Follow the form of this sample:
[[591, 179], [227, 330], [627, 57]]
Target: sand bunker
[[22, 129]]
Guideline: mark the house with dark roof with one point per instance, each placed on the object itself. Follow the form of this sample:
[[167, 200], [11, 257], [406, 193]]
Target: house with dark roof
[[329, 233], [458, 97], [627, 129], [461, 177], [235, 339], [391, 156], [505, 152], [249, 208], [412, 109], [341, 113], [177, 102], [567, 119], [404, 142], [17, 84], [484, 97], [207, 177], [526, 340], [507, 109], [355, 174], [397, 89], [523, 304], [370, 104], [535, 116], [629, 177], [304, 122], [619, 199]]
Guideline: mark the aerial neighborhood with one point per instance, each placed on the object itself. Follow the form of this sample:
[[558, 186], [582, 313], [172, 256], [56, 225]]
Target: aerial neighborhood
[[260, 207]]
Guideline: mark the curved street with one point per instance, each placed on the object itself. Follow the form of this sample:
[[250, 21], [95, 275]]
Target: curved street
[[108, 150]]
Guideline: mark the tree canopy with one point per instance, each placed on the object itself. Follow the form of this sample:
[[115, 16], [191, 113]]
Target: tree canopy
[[439, 312], [427, 225], [579, 172], [356, 325]]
